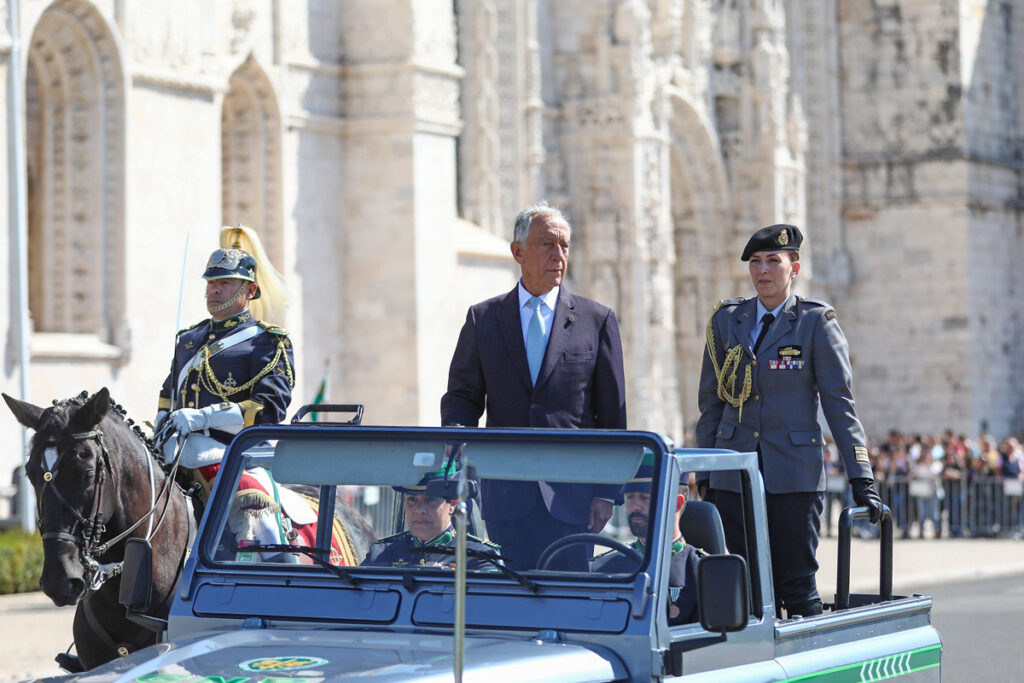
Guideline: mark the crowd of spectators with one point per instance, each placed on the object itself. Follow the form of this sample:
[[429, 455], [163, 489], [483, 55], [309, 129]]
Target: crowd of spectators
[[941, 485]]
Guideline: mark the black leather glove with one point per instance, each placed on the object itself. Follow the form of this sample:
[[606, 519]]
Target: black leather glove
[[864, 494]]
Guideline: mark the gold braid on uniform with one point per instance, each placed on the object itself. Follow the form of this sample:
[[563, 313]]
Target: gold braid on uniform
[[210, 383], [727, 371]]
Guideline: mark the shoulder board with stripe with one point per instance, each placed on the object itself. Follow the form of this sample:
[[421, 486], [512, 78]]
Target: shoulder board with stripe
[[392, 537], [272, 328], [480, 540]]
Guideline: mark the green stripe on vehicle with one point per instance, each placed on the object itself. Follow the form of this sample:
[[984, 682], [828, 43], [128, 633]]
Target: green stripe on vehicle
[[880, 669]]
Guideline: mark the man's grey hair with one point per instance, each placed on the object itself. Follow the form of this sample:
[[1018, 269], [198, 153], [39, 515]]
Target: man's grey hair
[[524, 219]]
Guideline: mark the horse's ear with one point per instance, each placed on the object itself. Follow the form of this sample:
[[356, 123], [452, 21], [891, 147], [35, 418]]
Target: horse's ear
[[26, 413], [94, 410]]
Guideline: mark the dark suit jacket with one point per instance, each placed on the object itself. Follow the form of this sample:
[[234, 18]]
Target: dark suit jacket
[[581, 385]]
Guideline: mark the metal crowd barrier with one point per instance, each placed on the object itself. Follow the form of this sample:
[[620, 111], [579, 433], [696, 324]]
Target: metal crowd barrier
[[978, 507]]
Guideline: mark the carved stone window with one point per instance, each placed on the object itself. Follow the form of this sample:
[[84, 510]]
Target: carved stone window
[[75, 157], [251, 157]]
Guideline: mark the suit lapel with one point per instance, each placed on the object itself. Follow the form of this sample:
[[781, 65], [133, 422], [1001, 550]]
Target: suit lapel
[[512, 332], [782, 326], [561, 332]]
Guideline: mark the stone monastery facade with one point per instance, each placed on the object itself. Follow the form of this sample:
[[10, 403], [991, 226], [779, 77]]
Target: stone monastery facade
[[382, 147]]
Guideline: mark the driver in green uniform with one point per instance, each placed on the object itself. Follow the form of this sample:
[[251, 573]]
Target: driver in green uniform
[[682, 581], [429, 523]]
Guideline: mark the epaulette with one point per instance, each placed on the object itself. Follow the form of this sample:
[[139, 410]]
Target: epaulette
[[491, 544], [201, 322], [391, 537], [815, 302], [701, 552], [272, 328], [830, 313], [735, 301]]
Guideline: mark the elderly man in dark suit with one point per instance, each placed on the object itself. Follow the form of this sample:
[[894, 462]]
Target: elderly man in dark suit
[[539, 356], [770, 361]]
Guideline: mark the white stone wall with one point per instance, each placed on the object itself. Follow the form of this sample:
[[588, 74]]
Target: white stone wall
[[408, 133]]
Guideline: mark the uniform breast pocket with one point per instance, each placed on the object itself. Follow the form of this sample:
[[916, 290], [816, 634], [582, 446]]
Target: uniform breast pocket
[[579, 356]]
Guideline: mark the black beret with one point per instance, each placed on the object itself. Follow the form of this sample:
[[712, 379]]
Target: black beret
[[779, 237]]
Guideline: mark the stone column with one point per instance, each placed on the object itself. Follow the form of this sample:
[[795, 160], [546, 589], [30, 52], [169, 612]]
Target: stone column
[[617, 148], [401, 88]]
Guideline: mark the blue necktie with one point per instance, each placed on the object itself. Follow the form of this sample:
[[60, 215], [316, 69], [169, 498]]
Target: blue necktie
[[535, 342]]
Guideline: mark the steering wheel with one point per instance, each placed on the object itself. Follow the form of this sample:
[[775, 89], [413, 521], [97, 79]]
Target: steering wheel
[[561, 544]]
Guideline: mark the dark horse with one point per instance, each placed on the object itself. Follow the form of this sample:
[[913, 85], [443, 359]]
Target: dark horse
[[99, 480], [92, 472]]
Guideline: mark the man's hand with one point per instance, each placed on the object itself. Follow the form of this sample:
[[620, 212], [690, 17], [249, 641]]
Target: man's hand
[[864, 494], [600, 513], [186, 420]]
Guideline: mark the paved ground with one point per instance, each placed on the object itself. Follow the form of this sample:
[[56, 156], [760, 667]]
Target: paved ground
[[32, 630]]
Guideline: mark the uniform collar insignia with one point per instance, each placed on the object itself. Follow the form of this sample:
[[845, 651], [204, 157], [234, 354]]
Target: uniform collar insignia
[[439, 541], [233, 321], [678, 545]]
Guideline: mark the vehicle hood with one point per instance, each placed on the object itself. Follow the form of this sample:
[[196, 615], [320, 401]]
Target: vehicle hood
[[311, 656]]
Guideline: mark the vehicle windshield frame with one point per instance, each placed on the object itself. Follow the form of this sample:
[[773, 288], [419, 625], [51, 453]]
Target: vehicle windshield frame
[[547, 441]]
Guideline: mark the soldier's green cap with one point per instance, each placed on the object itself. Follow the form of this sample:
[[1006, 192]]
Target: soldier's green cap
[[451, 471], [641, 481]]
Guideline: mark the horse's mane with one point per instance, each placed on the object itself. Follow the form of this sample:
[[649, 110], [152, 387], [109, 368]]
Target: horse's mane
[[55, 419]]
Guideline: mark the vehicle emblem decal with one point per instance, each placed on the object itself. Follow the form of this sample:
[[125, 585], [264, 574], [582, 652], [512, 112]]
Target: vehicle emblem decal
[[287, 663]]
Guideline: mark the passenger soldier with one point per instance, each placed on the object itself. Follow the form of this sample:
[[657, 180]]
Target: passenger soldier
[[539, 356], [768, 362], [682, 577], [233, 369], [429, 522]]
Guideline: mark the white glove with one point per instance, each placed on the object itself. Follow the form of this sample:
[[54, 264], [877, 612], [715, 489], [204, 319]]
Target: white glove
[[187, 420], [226, 416], [161, 415]]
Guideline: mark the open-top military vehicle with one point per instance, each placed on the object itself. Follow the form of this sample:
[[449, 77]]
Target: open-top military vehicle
[[246, 610]]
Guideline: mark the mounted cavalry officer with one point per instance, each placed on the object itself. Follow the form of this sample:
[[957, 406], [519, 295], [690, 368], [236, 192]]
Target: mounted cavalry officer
[[232, 370], [768, 363]]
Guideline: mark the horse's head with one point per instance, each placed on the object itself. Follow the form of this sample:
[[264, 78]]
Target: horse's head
[[75, 486]]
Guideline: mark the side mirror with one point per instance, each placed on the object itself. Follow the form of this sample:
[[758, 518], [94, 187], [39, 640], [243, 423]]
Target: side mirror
[[137, 575], [724, 600]]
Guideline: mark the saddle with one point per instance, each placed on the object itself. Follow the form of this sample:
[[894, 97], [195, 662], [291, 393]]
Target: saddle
[[270, 513]]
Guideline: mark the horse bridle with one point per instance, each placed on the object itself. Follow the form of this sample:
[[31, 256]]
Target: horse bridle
[[93, 527]]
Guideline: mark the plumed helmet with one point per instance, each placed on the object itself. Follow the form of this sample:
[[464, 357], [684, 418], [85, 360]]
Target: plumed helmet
[[231, 263]]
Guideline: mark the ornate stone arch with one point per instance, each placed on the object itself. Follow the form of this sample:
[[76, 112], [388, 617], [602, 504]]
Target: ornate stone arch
[[251, 157], [704, 233], [75, 116]]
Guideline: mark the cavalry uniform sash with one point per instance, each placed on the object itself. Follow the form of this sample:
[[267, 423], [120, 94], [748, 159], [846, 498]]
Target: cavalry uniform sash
[[210, 350]]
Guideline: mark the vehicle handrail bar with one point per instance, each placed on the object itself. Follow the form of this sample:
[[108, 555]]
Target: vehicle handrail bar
[[843, 565], [356, 408]]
